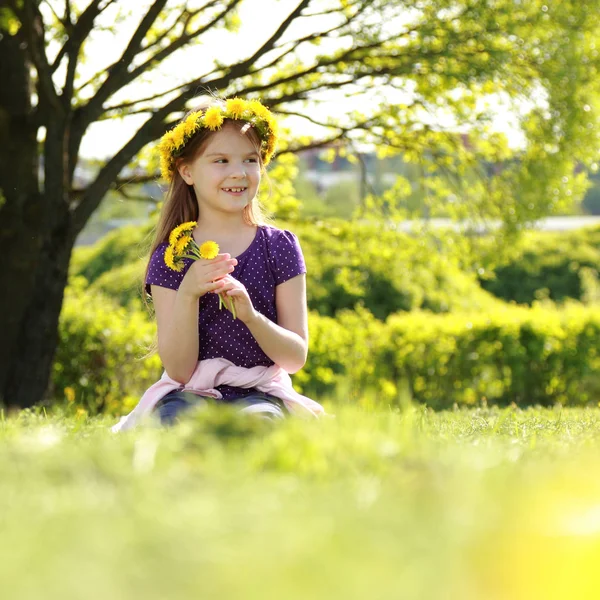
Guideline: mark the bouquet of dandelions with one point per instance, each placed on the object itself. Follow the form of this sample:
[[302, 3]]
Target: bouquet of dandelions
[[182, 245]]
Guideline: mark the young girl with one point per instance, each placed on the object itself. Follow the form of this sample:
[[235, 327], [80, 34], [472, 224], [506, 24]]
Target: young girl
[[214, 159]]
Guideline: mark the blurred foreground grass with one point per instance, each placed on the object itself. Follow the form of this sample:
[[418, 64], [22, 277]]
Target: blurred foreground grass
[[410, 504]]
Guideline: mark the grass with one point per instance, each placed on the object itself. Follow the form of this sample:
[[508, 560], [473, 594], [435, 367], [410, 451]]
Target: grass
[[372, 504]]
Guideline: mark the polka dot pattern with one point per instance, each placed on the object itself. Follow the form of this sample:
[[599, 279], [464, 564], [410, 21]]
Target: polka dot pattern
[[273, 257]]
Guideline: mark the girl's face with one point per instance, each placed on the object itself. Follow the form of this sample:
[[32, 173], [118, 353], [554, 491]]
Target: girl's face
[[226, 175]]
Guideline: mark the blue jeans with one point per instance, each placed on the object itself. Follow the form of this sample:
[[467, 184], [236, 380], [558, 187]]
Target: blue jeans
[[171, 406]]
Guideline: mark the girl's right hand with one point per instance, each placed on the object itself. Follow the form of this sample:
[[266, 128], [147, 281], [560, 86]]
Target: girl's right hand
[[205, 276]]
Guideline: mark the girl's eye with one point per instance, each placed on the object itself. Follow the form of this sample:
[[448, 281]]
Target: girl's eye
[[220, 160], [252, 160]]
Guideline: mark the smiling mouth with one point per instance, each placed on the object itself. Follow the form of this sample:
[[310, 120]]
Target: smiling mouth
[[235, 190]]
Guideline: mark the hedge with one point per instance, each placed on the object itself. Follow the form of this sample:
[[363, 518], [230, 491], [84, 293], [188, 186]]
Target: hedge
[[532, 356], [554, 265], [541, 355]]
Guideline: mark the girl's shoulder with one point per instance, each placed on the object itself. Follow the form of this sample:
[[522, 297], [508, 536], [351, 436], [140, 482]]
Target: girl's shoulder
[[162, 275], [284, 253], [277, 236]]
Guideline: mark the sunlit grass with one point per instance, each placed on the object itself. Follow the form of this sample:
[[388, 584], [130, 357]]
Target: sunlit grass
[[395, 504]]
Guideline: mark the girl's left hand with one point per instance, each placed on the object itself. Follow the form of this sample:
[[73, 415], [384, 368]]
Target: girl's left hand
[[235, 291]]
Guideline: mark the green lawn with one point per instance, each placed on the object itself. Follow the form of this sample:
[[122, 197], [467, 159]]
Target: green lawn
[[483, 504]]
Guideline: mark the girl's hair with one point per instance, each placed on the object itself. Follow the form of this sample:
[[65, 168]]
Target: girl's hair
[[181, 205]]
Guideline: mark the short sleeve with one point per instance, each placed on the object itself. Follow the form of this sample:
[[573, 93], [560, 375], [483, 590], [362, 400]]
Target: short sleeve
[[160, 274], [287, 257]]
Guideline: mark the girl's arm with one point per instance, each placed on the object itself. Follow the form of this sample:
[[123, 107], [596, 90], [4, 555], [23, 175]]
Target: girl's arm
[[177, 314], [177, 322], [284, 342]]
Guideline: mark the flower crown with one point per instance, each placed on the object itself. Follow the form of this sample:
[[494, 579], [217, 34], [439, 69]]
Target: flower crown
[[253, 112]]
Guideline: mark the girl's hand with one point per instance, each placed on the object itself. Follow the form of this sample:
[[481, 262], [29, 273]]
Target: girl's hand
[[205, 276], [235, 291]]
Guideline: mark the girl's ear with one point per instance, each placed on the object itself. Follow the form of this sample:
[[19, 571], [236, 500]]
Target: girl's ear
[[185, 172]]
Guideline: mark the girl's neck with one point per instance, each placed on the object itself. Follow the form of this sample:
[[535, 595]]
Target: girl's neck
[[222, 227], [227, 233]]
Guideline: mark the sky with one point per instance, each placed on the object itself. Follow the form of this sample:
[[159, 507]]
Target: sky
[[105, 138]]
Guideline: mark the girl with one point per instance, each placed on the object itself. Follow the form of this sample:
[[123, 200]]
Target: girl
[[214, 159]]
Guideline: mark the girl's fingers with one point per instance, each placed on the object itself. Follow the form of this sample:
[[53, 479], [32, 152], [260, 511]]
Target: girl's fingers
[[219, 272]]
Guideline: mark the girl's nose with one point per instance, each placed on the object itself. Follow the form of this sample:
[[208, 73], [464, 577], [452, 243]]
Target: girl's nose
[[239, 171]]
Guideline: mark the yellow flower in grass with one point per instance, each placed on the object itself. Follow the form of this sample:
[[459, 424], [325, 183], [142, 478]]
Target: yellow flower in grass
[[70, 394], [209, 250], [236, 107], [213, 118]]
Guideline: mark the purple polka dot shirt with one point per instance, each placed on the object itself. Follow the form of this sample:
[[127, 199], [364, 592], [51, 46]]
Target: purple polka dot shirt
[[273, 257]]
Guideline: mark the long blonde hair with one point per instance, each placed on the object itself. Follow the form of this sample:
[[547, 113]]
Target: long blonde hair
[[181, 205]]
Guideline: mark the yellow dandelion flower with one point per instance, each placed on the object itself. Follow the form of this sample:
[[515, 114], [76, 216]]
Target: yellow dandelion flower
[[180, 230], [236, 107], [209, 250], [166, 141], [70, 394], [165, 167], [192, 124], [174, 236], [188, 226], [273, 125], [261, 111], [181, 244], [170, 259], [178, 137], [213, 118]]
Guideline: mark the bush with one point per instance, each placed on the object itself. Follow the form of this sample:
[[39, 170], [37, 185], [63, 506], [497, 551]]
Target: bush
[[119, 247], [351, 265], [123, 284], [532, 356], [528, 356], [99, 362], [547, 264]]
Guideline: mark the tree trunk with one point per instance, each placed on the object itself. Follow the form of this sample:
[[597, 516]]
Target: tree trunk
[[29, 362], [36, 239]]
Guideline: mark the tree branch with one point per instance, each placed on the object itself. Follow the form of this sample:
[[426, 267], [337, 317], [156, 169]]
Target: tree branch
[[293, 44], [61, 21], [118, 184], [67, 16], [188, 17], [79, 31], [293, 113], [33, 25], [119, 76]]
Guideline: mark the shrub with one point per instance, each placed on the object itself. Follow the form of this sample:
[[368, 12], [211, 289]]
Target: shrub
[[528, 356], [99, 359], [384, 270], [119, 247], [532, 356], [547, 264], [123, 284]]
